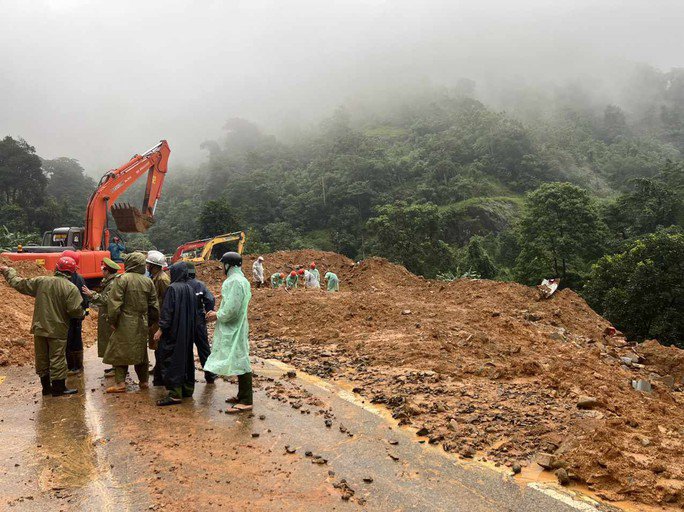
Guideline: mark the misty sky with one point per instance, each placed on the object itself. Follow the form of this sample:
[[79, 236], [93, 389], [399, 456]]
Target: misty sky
[[99, 81]]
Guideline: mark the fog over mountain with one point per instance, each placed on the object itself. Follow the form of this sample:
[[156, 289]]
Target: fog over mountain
[[98, 81]]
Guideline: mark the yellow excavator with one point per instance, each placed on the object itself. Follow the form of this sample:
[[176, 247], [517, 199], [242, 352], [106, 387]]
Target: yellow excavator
[[199, 251]]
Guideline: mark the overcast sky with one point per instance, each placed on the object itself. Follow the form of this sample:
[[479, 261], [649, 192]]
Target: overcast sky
[[99, 81]]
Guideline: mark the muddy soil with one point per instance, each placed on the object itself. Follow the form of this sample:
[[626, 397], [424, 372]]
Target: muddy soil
[[487, 370]]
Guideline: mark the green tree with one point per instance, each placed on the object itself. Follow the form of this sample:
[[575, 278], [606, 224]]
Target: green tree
[[478, 260], [22, 180], [641, 290], [560, 234], [409, 234], [217, 217]]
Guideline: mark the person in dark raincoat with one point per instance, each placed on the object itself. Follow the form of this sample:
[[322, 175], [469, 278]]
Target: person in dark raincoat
[[176, 335], [205, 303], [74, 350]]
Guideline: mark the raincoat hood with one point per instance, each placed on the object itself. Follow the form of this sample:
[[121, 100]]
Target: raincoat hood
[[135, 263], [179, 272]]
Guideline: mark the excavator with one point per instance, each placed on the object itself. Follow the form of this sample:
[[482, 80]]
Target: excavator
[[92, 240], [199, 251]]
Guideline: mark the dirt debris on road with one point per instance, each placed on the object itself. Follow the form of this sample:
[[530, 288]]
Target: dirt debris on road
[[486, 369]]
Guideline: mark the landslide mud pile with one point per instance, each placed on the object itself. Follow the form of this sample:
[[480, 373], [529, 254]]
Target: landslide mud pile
[[16, 313], [486, 370]]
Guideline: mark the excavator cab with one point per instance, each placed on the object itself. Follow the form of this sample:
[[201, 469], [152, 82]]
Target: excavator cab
[[64, 237]]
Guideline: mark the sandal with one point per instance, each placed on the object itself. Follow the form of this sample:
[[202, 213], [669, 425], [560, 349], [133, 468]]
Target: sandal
[[168, 400], [238, 408], [116, 389]]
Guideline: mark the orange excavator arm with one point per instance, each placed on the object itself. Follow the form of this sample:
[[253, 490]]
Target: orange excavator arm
[[154, 162]]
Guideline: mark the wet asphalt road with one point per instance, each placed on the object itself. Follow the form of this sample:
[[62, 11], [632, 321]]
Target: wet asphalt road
[[94, 451]]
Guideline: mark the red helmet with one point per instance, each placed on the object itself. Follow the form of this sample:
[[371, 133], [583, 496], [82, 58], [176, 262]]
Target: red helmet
[[66, 264], [301, 272], [313, 264], [73, 255], [282, 276], [293, 273]]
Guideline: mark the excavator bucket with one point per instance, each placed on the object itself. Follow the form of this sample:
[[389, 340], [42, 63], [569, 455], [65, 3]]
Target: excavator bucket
[[131, 220]]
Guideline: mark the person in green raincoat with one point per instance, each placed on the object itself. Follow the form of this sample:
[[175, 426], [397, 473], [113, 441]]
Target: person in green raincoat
[[291, 281], [110, 271], [230, 351], [57, 302], [131, 305], [333, 282], [315, 272], [277, 280]]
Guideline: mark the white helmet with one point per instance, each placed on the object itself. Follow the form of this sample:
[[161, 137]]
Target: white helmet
[[156, 258]]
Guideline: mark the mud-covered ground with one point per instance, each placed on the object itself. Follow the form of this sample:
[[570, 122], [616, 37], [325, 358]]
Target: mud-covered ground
[[484, 369]]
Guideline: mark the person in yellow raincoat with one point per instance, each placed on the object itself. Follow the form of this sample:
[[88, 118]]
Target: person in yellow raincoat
[[230, 351]]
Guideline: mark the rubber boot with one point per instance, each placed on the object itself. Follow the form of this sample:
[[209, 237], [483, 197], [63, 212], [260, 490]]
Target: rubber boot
[[59, 388], [47, 387]]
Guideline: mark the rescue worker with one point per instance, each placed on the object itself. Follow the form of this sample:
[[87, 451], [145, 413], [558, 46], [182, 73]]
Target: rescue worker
[[230, 353], [74, 350], [116, 249], [311, 281], [57, 301], [277, 280], [333, 282], [315, 272], [176, 335], [132, 304], [205, 303], [155, 263], [291, 281], [258, 272], [300, 276], [110, 271]]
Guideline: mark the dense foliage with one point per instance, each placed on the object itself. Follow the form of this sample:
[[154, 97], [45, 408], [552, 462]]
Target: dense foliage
[[437, 181]]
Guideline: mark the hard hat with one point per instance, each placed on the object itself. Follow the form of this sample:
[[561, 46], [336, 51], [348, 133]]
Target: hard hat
[[293, 273], [260, 258], [111, 264], [301, 272], [231, 259], [73, 255], [156, 258], [313, 264], [282, 276], [66, 264]]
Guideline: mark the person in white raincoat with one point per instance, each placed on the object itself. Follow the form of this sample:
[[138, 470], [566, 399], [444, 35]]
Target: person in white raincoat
[[230, 351], [311, 281], [258, 272]]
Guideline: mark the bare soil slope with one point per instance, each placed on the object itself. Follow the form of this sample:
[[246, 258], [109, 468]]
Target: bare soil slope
[[486, 370]]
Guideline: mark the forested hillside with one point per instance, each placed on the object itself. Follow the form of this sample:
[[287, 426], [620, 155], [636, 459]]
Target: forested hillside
[[440, 182]]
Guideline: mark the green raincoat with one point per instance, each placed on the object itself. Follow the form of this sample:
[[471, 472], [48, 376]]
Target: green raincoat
[[333, 282], [291, 282], [57, 302], [230, 351], [276, 280], [132, 302], [104, 328]]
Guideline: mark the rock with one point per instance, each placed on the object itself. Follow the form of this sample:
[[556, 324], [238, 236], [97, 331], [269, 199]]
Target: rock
[[645, 441], [642, 385], [562, 476], [586, 402], [545, 460], [668, 381], [406, 312], [262, 417], [453, 425], [496, 313], [533, 317], [328, 423], [422, 432], [255, 434], [290, 449], [291, 374], [368, 479], [467, 453], [517, 468]]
